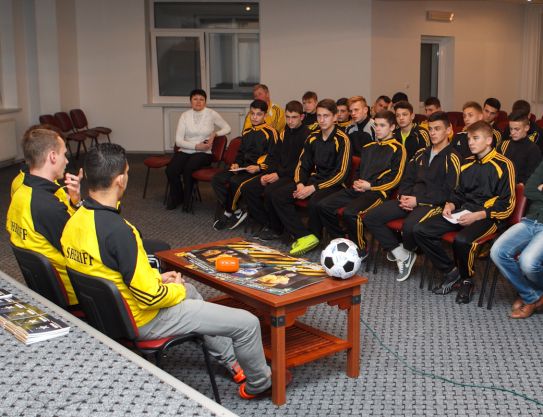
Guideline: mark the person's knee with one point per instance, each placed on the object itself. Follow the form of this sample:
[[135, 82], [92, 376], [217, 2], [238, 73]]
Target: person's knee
[[248, 321], [529, 264], [499, 252], [419, 230], [372, 218]]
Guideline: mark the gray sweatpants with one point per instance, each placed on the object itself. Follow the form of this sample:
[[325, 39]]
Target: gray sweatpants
[[230, 334]]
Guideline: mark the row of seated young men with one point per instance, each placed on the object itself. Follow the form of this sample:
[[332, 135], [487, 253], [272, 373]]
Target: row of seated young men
[[91, 237], [477, 172]]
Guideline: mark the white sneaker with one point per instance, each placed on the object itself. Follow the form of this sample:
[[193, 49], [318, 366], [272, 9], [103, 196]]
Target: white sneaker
[[405, 267]]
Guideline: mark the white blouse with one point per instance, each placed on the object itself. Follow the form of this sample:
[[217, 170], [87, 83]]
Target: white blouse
[[195, 126]]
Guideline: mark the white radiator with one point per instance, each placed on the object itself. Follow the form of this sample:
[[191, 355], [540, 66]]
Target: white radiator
[[8, 141]]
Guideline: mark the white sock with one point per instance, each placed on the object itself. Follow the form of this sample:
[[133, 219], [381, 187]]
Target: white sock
[[400, 253], [227, 214]]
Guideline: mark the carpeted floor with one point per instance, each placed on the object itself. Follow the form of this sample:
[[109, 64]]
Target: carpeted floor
[[467, 344]]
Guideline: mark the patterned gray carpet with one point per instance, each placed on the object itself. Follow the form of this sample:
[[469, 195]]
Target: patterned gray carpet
[[467, 344]]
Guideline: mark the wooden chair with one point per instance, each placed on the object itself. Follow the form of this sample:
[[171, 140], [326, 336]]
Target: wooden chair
[[108, 312], [80, 122], [65, 124]]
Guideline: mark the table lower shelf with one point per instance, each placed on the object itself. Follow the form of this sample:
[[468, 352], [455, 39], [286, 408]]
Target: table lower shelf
[[303, 343]]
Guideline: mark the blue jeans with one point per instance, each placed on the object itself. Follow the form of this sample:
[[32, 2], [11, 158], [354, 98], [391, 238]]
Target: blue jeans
[[524, 239]]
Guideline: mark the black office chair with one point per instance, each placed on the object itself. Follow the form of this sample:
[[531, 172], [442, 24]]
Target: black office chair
[[41, 277], [107, 311]]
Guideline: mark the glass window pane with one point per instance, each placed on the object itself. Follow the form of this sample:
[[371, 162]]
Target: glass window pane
[[178, 62], [234, 61], [193, 15]]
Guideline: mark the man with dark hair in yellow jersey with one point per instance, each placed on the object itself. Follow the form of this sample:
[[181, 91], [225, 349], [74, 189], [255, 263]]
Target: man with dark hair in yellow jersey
[[275, 116], [40, 207], [162, 304]]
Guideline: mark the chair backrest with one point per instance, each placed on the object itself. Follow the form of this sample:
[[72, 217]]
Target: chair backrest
[[420, 118], [79, 119], [502, 115], [103, 305], [64, 122], [217, 150], [456, 118], [355, 166], [40, 276], [231, 152], [521, 202], [539, 123]]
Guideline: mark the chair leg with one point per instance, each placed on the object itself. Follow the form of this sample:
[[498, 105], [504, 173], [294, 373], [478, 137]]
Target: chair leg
[[484, 283], [165, 192], [146, 181], [422, 271], [210, 372], [158, 358], [376, 254], [430, 276], [492, 290], [78, 149], [368, 259]]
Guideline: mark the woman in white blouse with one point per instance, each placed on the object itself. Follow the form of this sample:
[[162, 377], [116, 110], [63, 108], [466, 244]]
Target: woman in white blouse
[[194, 138]]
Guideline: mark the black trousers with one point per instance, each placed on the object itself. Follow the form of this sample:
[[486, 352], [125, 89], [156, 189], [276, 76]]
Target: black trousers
[[428, 237], [228, 185], [283, 203], [355, 204], [377, 218], [184, 164], [259, 201]]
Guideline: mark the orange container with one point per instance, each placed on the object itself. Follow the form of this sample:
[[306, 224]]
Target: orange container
[[227, 264]]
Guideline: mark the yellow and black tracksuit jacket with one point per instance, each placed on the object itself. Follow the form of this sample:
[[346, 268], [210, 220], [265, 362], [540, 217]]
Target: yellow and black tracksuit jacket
[[535, 134], [382, 164], [97, 241], [344, 125], [460, 142], [324, 163], [431, 182], [255, 143], [275, 117], [285, 153], [18, 180], [487, 184], [310, 119], [418, 138], [524, 154], [37, 215]]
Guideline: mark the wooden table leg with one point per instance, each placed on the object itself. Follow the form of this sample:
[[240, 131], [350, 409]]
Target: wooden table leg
[[279, 363], [353, 335]]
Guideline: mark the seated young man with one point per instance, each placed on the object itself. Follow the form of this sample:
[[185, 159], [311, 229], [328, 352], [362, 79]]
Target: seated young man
[[40, 207], [382, 103], [309, 101], [275, 117], [518, 253], [381, 166], [486, 189], [321, 171], [361, 131], [472, 112], [343, 115], [399, 96], [281, 162], [491, 108], [520, 150], [425, 187], [162, 304], [251, 159], [408, 133], [535, 133], [432, 105]]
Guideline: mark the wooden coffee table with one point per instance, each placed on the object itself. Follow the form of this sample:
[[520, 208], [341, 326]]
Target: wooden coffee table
[[287, 342]]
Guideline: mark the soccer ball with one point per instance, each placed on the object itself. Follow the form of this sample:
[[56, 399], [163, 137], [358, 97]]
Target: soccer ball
[[341, 258]]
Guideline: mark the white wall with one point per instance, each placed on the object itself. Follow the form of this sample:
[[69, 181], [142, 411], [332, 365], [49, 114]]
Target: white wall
[[487, 51], [111, 39], [315, 45]]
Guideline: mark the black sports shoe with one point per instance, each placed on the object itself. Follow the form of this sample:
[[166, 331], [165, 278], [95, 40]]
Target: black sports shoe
[[465, 292], [267, 234], [237, 218], [451, 278], [222, 222]]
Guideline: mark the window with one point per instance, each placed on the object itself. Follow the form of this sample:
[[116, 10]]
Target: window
[[210, 45]]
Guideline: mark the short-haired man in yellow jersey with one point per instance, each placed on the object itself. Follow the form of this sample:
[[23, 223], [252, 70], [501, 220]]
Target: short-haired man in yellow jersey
[[39, 206], [162, 304], [275, 116]]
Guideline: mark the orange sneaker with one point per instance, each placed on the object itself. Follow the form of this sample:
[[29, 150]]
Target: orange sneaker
[[237, 373], [266, 393]]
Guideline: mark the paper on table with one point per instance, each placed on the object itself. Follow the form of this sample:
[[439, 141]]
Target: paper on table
[[238, 169], [455, 216]]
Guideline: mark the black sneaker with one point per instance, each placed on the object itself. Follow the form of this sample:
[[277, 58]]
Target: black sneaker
[[267, 234], [465, 292], [222, 222], [238, 218], [447, 285], [363, 253]]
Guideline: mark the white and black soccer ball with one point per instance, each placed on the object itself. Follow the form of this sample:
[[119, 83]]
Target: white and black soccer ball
[[341, 258]]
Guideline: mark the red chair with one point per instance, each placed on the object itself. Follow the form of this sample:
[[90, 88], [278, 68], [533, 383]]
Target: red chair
[[539, 123], [456, 118], [228, 158], [502, 116], [521, 204], [107, 311], [80, 122], [419, 118], [65, 124], [155, 162]]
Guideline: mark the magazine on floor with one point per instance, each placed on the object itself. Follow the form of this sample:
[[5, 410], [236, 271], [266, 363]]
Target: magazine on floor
[[261, 267]]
